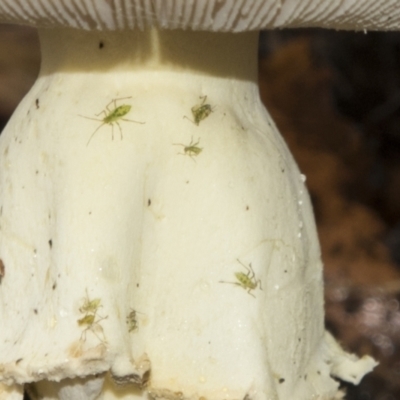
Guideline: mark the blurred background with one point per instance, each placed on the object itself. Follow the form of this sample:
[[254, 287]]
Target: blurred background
[[335, 97]]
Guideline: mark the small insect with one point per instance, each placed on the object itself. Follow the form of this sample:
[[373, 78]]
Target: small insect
[[91, 319], [87, 320], [191, 150], [247, 280], [90, 306], [112, 116], [2, 270], [131, 321], [200, 111]]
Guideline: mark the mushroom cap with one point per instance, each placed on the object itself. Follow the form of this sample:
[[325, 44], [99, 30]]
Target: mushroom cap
[[213, 15]]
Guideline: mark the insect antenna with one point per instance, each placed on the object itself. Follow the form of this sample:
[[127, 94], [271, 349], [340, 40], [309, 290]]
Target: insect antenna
[[93, 119], [250, 269], [119, 98]]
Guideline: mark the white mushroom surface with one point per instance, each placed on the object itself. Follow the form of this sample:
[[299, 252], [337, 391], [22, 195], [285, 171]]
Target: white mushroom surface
[[155, 230]]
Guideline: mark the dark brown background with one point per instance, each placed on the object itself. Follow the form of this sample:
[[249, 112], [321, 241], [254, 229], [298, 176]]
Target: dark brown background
[[336, 99]]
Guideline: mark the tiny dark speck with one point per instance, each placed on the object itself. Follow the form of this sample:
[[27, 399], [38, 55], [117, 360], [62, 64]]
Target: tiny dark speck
[[2, 269], [54, 286], [18, 361], [101, 44], [50, 243], [149, 202], [283, 170], [285, 271], [35, 311], [281, 380], [37, 103], [247, 208], [137, 285]]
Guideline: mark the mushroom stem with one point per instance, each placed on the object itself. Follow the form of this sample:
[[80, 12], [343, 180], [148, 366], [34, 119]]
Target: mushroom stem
[[11, 392], [88, 388], [158, 226]]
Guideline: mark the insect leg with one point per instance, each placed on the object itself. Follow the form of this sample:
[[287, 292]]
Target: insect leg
[[114, 101], [249, 292], [131, 120], [243, 265], [83, 335], [96, 326], [194, 123], [191, 156], [112, 130], [101, 112], [232, 283], [102, 340], [251, 271], [94, 133], [109, 104], [120, 130]]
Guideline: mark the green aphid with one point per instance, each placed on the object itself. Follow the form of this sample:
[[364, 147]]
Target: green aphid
[[247, 280], [90, 306], [87, 320], [191, 150], [131, 321], [91, 319], [201, 111], [113, 116]]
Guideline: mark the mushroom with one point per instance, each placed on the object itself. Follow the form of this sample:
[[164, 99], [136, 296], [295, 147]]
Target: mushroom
[[156, 235]]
